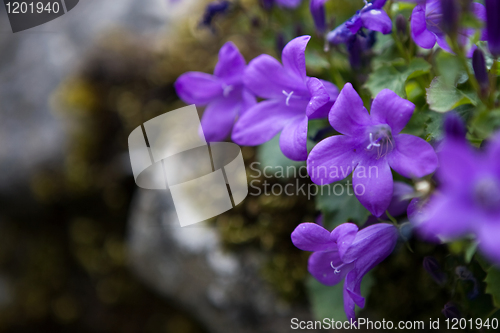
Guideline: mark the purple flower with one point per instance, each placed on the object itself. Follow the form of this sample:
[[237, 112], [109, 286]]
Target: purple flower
[[468, 198], [370, 146], [371, 17], [399, 203], [427, 25], [493, 26], [223, 93], [345, 253], [291, 99]]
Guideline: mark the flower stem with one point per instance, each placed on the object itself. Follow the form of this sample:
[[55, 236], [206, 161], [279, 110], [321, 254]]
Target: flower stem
[[493, 83]]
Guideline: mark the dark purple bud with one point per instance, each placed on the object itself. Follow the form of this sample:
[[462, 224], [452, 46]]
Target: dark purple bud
[[479, 65], [434, 269], [267, 4], [450, 311], [319, 220], [213, 9], [280, 43], [355, 50], [465, 275], [451, 12], [401, 25], [493, 26], [317, 8], [454, 126]]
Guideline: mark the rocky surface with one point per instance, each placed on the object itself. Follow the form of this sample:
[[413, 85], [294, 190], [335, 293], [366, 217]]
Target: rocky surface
[[33, 63], [189, 266]]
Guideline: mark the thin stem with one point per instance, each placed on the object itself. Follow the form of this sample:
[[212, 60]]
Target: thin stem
[[402, 50], [459, 51], [493, 83]]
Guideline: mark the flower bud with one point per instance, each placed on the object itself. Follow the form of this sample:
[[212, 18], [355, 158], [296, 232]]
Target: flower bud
[[401, 25], [267, 4], [479, 66], [212, 10], [493, 26], [434, 269], [450, 311], [451, 13], [280, 43], [454, 127], [317, 8]]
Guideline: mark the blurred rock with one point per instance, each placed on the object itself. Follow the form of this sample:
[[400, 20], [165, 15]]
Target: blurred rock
[[33, 62], [189, 266]]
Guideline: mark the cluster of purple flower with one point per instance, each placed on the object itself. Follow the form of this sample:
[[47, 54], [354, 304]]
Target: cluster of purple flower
[[468, 200]]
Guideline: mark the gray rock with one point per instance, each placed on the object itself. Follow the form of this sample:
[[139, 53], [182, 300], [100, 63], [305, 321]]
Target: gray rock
[[33, 63], [189, 266]]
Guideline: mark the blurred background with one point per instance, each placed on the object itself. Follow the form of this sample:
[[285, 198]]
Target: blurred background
[[82, 249]]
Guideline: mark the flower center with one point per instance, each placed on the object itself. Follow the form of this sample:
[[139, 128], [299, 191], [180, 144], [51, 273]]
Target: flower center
[[288, 96], [226, 89], [433, 17], [487, 193], [380, 140], [337, 269]]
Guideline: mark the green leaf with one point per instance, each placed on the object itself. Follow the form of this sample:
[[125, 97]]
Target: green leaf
[[417, 67], [470, 251], [486, 122], [328, 301], [338, 204], [393, 77], [269, 155], [443, 97], [493, 284], [434, 125]]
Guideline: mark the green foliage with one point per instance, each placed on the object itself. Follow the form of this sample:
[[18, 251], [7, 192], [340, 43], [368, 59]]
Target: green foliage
[[493, 284], [434, 124], [443, 96], [328, 301], [394, 77], [269, 155], [337, 209]]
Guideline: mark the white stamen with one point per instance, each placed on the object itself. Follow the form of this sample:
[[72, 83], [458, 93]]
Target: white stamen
[[336, 270], [226, 90], [288, 95], [372, 143]]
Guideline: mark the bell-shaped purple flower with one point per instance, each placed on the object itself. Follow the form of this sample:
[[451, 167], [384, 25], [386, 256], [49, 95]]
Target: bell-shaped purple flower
[[292, 98], [371, 17], [428, 20], [370, 146], [345, 253], [468, 198], [224, 93], [399, 203], [493, 26]]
